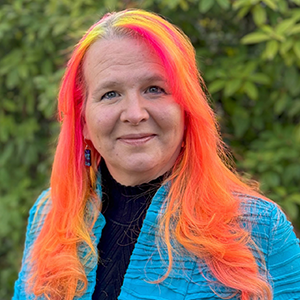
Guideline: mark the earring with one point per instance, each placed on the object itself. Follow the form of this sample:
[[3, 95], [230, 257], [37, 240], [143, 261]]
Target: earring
[[87, 156]]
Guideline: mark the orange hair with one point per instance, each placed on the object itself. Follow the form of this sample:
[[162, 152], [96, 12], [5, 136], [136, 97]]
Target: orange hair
[[202, 209]]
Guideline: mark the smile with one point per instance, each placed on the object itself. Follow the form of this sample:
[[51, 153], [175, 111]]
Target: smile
[[136, 139]]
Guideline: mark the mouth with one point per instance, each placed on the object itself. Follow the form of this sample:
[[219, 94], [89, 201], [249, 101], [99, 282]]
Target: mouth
[[136, 139]]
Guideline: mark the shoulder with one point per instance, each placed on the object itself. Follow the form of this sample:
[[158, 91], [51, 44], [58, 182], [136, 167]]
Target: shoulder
[[275, 239], [38, 213], [270, 229], [256, 206], [42, 205], [261, 213], [265, 219]]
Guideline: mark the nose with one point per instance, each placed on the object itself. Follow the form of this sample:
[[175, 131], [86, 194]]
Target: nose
[[134, 110]]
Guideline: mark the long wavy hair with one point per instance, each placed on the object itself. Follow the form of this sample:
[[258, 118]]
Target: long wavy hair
[[202, 208]]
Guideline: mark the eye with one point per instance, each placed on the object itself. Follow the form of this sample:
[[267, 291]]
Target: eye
[[110, 95], [155, 90]]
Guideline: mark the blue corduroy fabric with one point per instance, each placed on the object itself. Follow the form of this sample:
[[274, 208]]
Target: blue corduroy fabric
[[270, 229]]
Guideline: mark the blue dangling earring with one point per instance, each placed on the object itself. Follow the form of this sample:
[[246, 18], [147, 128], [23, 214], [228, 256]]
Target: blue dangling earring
[[87, 156]]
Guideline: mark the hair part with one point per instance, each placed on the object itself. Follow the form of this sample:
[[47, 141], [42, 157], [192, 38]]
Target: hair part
[[205, 226]]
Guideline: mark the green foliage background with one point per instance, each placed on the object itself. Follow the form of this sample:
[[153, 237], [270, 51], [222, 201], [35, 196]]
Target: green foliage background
[[248, 52]]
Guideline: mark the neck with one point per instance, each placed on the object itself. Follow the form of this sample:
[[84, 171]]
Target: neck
[[134, 179]]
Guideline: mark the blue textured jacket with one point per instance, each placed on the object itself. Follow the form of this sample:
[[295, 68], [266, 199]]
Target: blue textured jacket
[[270, 230]]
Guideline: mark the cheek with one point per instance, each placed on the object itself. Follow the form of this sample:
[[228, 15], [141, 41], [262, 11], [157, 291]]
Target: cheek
[[176, 120], [100, 122], [173, 126], [91, 123]]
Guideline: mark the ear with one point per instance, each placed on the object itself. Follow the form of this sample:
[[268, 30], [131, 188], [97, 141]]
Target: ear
[[85, 132]]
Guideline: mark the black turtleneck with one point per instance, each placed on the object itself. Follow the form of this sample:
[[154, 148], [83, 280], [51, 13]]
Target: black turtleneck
[[124, 208]]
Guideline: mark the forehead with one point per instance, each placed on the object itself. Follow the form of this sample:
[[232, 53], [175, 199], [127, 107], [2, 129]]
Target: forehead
[[118, 54]]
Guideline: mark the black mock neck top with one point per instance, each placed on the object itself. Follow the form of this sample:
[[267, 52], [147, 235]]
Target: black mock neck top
[[124, 208]]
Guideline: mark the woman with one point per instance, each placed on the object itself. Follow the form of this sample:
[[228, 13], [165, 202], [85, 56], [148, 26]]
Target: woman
[[140, 176]]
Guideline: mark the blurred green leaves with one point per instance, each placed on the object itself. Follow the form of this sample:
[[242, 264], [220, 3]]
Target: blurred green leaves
[[248, 52], [257, 93], [36, 39]]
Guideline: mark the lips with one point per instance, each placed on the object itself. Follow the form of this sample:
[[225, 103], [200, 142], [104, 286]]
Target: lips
[[137, 138]]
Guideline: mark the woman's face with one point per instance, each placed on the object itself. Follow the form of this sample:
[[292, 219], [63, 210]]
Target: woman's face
[[131, 117]]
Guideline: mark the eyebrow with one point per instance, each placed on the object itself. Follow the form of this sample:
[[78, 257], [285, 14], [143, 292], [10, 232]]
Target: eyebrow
[[111, 84]]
